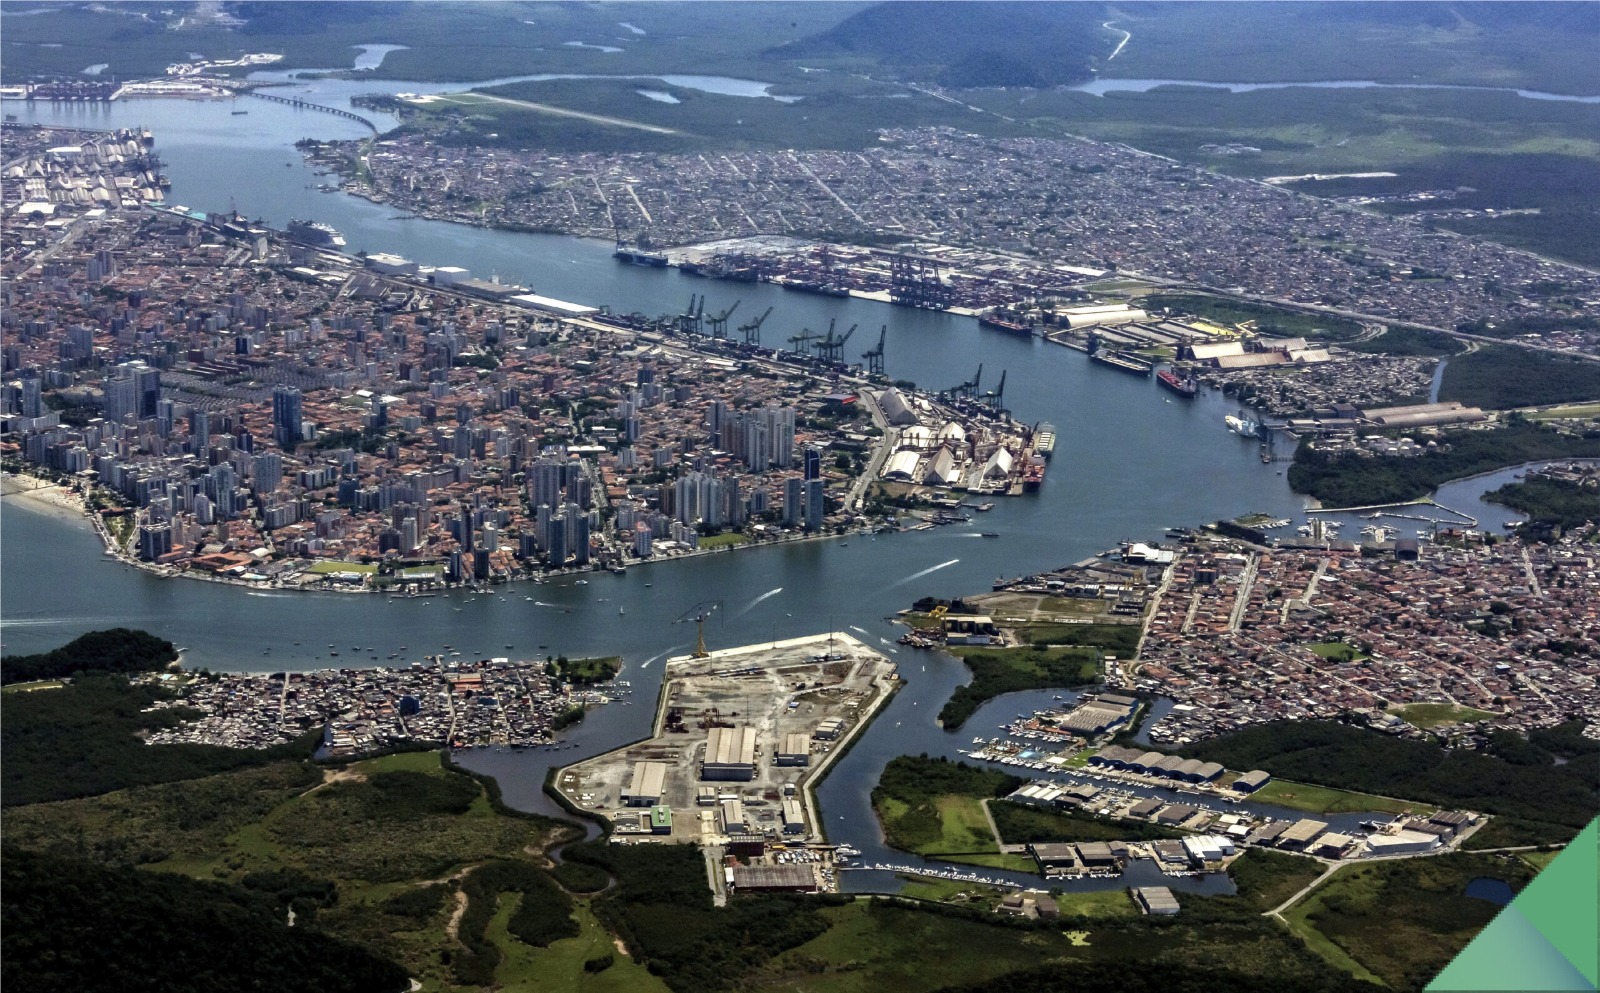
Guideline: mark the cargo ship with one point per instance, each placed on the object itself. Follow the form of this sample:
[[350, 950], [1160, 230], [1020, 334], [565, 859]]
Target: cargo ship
[[638, 256], [1186, 388], [1123, 361], [1044, 439], [812, 286], [1242, 425], [315, 233], [1009, 327], [1032, 475]]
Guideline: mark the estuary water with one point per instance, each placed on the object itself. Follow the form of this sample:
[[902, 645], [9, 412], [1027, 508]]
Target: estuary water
[[1130, 462]]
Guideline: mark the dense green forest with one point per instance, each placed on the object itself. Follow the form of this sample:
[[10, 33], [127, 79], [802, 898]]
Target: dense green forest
[[1117, 977], [916, 779], [1408, 341], [1349, 480], [1499, 377], [1549, 502], [1027, 667], [1517, 777], [661, 907], [72, 926], [543, 915], [119, 650], [82, 740]]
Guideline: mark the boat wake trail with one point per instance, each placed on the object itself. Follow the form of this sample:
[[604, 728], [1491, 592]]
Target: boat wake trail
[[858, 630], [752, 604], [919, 575], [646, 663]]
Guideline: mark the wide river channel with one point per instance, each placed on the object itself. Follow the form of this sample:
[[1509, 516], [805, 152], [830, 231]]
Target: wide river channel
[[1130, 462]]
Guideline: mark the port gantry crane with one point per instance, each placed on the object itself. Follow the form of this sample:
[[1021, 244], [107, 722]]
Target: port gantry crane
[[699, 613], [968, 389], [719, 323], [692, 320], [993, 398], [831, 347], [875, 356], [803, 340], [752, 331]]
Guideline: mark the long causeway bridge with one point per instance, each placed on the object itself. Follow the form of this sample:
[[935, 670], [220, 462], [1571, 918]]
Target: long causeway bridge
[[308, 105]]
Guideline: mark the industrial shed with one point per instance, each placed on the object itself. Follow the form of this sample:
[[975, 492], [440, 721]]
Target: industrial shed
[[1252, 781], [902, 465], [1156, 900], [895, 409], [788, 878], [794, 817], [795, 750], [730, 754], [645, 785], [1301, 833]]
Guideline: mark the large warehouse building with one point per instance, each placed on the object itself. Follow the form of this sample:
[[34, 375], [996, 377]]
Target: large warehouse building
[[645, 785], [730, 754]]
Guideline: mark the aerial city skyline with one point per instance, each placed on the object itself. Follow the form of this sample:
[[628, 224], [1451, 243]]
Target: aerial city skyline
[[1116, 506]]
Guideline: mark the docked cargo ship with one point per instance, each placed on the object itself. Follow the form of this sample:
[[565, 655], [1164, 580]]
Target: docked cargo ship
[[1009, 327], [638, 256], [1044, 440], [315, 233], [1186, 388], [1033, 475], [813, 286], [1123, 361]]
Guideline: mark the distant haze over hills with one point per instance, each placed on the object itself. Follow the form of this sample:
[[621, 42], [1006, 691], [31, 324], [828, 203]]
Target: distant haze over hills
[[970, 44]]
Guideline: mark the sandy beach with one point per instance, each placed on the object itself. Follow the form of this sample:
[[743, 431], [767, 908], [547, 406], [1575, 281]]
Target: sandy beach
[[41, 495]]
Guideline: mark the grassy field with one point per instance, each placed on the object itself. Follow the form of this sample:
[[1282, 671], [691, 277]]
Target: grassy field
[[1326, 800], [38, 684], [934, 806], [936, 890], [1539, 860], [1335, 650], [1268, 320], [729, 540], [1566, 410], [323, 568], [1099, 903], [559, 968], [1020, 823], [1401, 920], [873, 947], [962, 827], [1431, 715]]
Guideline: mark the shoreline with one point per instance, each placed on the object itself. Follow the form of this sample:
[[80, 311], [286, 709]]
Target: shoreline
[[60, 503], [43, 496]]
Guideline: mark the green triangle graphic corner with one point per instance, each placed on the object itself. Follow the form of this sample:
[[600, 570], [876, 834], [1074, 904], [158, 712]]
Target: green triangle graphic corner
[[1562, 902], [1509, 955]]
